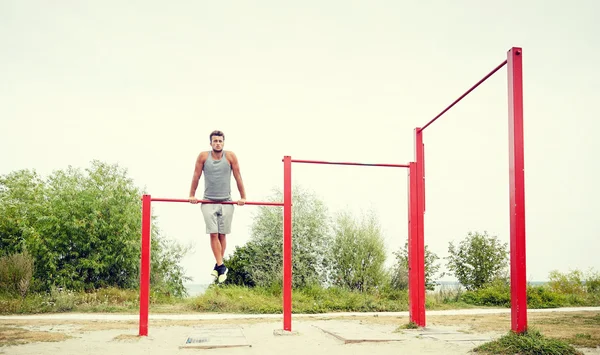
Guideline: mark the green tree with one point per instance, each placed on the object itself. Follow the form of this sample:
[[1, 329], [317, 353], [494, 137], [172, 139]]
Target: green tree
[[166, 273], [359, 252], [399, 277], [82, 227], [259, 262], [478, 260], [21, 200]]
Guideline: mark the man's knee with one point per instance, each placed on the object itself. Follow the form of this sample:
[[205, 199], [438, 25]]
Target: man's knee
[[215, 235]]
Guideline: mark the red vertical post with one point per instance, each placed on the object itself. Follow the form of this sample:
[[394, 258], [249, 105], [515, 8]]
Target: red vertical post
[[518, 276], [145, 265], [420, 242], [287, 243], [413, 231]]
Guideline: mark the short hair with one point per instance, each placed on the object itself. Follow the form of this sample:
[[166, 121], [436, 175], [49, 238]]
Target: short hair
[[216, 133]]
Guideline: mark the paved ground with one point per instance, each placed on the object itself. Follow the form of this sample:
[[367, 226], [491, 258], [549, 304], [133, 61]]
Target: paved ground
[[331, 334]]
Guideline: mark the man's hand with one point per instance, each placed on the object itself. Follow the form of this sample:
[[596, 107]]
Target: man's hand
[[193, 199], [241, 202]]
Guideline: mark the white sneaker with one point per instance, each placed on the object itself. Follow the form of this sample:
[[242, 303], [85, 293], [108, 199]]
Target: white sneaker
[[222, 272], [214, 273]]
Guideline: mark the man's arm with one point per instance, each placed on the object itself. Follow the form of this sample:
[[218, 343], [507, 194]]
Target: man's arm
[[196, 178], [235, 167]]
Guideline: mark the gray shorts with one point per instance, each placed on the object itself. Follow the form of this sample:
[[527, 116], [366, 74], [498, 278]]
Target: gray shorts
[[217, 217]]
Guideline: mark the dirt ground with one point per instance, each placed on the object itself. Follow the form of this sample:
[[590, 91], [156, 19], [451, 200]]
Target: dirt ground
[[331, 335]]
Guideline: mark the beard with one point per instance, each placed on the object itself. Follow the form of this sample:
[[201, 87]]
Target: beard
[[217, 150]]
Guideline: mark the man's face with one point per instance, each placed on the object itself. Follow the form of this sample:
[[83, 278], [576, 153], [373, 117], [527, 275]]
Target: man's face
[[217, 143]]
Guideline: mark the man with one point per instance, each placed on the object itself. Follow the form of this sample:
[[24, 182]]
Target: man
[[217, 165]]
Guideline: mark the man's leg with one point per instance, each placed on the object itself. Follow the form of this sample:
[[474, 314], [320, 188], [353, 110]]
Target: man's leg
[[217, 249], [209, 211], [224, 222], [223, 241], [218, 243]]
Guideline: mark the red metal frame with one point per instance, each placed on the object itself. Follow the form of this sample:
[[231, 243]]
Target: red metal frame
[[518, 276], [250, 203], [145, 251], [417, 252], [465, 94], [517, 194], [145, 265], [344, 163], [287, 243], [413, 247], [416, 212], [287, 228]]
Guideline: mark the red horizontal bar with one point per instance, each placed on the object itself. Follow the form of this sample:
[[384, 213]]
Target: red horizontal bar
[[465, 94], [221, 202], [344, 163]]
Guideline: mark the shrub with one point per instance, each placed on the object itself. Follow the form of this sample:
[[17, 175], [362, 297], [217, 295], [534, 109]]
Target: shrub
[[592, 282], [567, 283], [16, 273], [478, 260], [544, 297], [530, 342], [359, 251], [82, 228], [399, 274], [259, 262]]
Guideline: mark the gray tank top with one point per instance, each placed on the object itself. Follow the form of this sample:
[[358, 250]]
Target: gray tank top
[[217, 179]]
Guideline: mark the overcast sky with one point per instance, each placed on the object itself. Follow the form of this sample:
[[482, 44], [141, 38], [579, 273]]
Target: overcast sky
[[142, 83]]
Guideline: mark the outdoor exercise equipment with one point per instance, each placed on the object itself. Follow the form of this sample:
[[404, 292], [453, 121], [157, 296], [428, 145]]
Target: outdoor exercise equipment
[[518, 278], [416, 211], [145, 252]]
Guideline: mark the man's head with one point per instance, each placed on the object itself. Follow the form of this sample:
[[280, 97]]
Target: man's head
[[217, 141]]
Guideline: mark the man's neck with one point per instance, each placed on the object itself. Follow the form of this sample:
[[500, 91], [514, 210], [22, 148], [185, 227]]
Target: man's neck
[[217, 155]]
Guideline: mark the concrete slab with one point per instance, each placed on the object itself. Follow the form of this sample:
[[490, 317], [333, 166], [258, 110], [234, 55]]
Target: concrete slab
[[351, 333], [448, 334], [284, 332], [215, 337]]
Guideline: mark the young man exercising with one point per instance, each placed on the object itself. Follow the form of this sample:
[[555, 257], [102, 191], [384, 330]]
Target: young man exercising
[[217, 165]]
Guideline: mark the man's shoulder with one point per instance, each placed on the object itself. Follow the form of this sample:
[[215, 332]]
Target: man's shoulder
[[229, 154], [203, 155]]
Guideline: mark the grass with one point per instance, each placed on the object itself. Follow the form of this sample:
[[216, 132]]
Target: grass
[[581, 329], [17, 336], [532, 342], [409, 325], [55, 301], [237, 299]]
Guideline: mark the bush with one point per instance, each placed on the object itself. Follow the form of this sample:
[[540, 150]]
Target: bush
[[567, 283], [167, 276], [16, 273], [496, 294], [478, 260], [592, 282], [530, 342], [259, 262], [544, 297], [359, 251], [399, 275], [82, 228], [446, 295]]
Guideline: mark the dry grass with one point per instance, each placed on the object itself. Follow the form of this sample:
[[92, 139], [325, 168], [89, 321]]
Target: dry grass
[[127, 337], [17, 336], [578, 328]]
